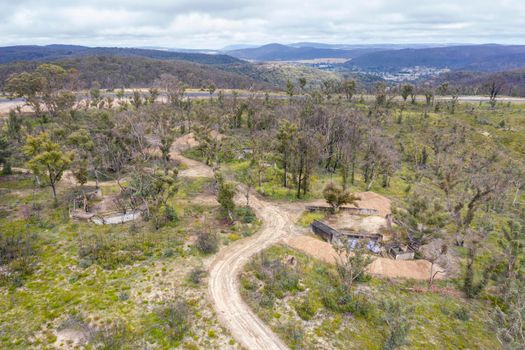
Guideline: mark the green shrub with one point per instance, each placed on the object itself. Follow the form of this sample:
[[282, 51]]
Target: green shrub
[[462, 314], [397, 325], [246, 215], [295, 333], [196, 275], [112, 336], [169, 214], [266, 299], [207, 242], [110, 252], [175, 320], [343, 301], [306, 308], [17, 253], [123, 296]]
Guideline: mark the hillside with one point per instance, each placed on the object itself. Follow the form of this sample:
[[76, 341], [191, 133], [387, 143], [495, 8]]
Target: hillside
[[278, 52], [116, 72], [277, 74], [512, 82], [57, 52], [486, 58]]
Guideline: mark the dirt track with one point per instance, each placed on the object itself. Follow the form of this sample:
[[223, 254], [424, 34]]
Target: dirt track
[[224, 270], [244, 325], [195, 168]]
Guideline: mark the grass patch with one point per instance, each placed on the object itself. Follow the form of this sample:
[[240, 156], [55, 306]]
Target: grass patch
[[311, 313], [307, 217]]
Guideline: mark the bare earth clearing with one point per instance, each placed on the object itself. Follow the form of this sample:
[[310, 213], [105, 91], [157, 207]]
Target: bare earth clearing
[[384, 267], [195, 168], [370, 200]]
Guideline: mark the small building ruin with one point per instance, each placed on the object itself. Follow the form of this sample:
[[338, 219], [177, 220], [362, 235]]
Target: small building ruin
[[351, 237]]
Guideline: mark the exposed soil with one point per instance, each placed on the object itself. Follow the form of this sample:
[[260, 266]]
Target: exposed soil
[[383, 267], [415, 269], [346, 221], [370, 200], [195, 168], [6, 106], [314, 247]]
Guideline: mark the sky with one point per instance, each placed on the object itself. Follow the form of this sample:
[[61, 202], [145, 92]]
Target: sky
[[215, 24]]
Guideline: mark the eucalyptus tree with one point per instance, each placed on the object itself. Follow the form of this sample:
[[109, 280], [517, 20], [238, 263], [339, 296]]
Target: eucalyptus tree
[[47, 159], [48, 88]]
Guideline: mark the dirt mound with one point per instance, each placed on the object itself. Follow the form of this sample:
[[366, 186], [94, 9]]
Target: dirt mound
[[185, 142], [376, 201], [314, 247], [189, 141], [70, 338], [416, 269], [370, 200], [347, 221]]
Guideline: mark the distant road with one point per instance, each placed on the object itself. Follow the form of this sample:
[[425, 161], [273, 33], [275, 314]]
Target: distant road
[[7, 104]]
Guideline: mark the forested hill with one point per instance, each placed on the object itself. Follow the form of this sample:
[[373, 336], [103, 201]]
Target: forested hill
[[511, 83], [278, 52], [57, 52], [117, 72], [484, 58]]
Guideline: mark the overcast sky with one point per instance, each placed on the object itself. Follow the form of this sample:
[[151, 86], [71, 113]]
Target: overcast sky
[[214, 24]]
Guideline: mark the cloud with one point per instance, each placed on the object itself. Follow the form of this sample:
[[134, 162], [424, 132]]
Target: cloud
[[213, 24]]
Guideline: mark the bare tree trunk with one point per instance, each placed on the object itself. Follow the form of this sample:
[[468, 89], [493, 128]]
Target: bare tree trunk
[[54, 191], [515, 199], [247, 195], [285, 179], [299, 180]]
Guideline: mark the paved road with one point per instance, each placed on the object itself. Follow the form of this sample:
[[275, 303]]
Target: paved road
[[6, 104]]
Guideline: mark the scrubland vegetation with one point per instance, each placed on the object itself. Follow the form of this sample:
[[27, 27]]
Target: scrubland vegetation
[[307, 304], [454, 171]]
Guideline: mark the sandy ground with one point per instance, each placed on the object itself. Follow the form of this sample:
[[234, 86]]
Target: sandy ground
[[195, 168], [346, 221], [370, 200], [383, 267], [314, 247], [415, 269], [7, 105]]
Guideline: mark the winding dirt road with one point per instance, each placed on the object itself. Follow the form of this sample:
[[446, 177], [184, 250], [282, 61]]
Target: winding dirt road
[[232, 311]]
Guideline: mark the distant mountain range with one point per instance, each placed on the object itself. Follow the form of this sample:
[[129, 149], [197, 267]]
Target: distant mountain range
[[56, 52], [279, 52], [471, 65], [367, 46], [482, 58], [381, 57], [394, 57]]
